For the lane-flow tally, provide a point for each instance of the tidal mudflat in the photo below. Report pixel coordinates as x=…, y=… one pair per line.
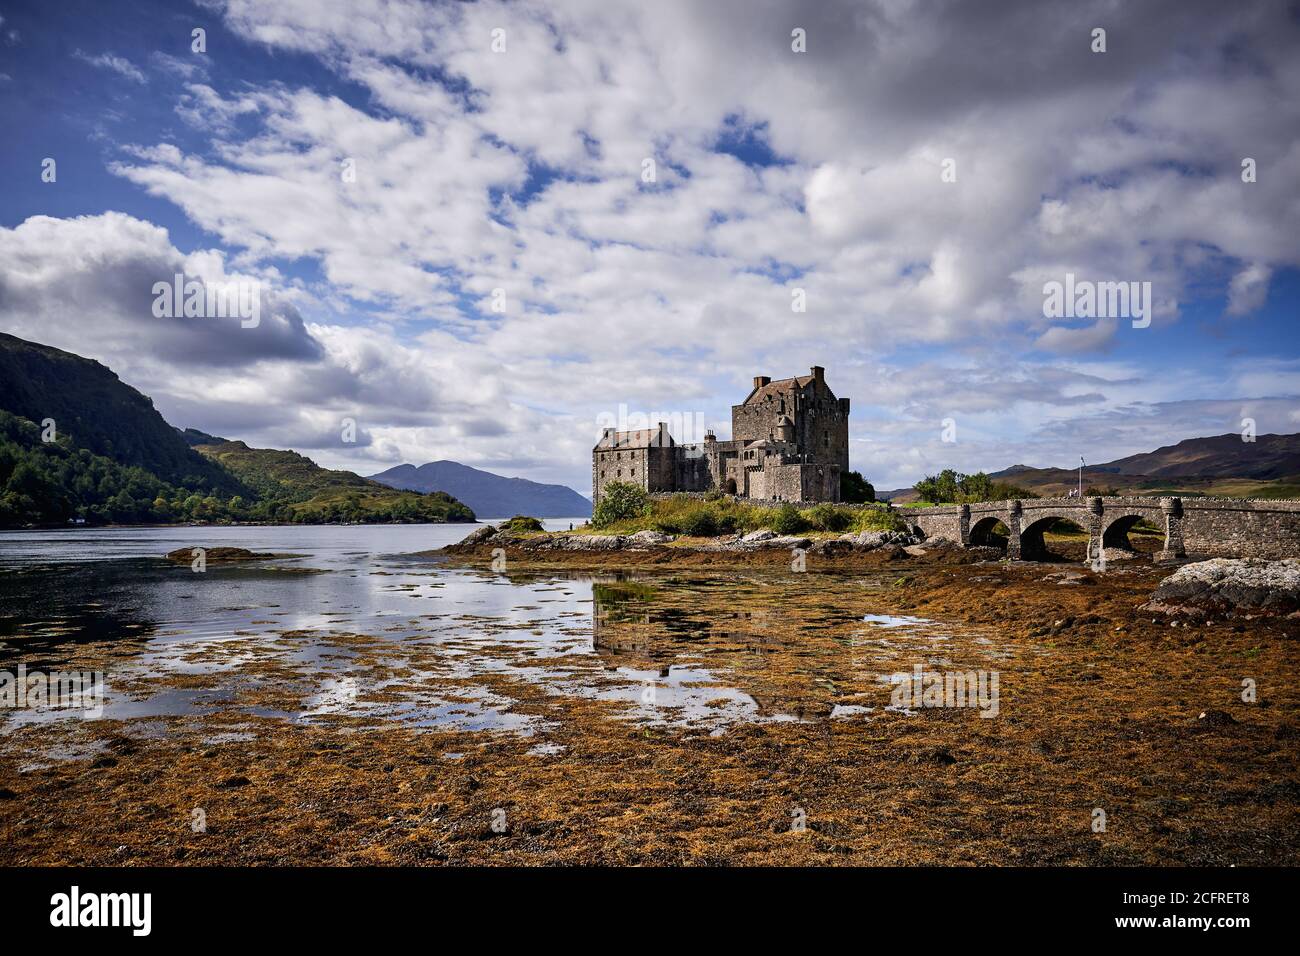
x=358, y=702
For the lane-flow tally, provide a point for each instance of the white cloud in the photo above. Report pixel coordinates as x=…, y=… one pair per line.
x=520, y=171
x=117, y=64
x=1248, y=289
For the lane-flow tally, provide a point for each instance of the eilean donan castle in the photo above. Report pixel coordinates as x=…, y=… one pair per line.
x=789, y=442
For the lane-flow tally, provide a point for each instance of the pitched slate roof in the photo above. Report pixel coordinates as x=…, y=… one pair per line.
x=638, y=438
x=775, y=388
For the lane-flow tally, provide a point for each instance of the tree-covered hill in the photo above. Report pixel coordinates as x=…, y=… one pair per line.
x=110, y=457
x=95, y=410
x=305, y=492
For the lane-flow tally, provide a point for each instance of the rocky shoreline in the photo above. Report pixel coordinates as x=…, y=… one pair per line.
x=754, y=541
x=1220, y=587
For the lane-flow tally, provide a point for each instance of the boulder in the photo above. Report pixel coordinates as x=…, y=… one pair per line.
x=590, y=542
x=1224, y=586
x=478, y=536
x=870, y=540
x=222, y=555
x=754, y=537
x=648, y=537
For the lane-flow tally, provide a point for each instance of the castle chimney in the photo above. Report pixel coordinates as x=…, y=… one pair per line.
x=760, y=381
x=819, y=374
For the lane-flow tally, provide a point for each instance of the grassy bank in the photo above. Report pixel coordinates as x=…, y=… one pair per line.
x=712, y=517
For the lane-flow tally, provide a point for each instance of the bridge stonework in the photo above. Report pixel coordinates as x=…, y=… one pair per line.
x=1193, y=527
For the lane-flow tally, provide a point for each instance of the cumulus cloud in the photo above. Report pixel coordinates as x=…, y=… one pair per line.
x=1248, y=289
x=498, y=271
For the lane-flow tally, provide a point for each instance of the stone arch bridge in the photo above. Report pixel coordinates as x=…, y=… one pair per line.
x=1200, y=527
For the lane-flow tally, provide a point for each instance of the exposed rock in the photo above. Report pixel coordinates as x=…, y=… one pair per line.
x=218, y=555
x=478, y=536
x=589, y=542
x=1215, y=718
x=1230, y=586
x=765, y=539
x=1120, y=554
x=647, y=537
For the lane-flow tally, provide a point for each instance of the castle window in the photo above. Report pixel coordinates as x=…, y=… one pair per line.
x=827, y=439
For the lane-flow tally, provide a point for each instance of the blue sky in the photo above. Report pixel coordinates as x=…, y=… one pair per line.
x=523, y=170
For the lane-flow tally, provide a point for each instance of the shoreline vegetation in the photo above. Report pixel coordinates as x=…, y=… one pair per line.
x=626, y=509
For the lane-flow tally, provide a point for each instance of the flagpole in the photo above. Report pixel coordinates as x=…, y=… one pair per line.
x=1080, y=476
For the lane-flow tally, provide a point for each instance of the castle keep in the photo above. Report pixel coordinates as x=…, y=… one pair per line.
x=789, y=442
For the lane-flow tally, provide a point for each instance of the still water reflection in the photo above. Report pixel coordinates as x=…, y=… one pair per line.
x=354, y=626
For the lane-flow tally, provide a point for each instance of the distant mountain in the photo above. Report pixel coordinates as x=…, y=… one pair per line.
x=306, y=492
x=491, y=496
x=1267, y=458
x=1225, y=465
x=108, y=456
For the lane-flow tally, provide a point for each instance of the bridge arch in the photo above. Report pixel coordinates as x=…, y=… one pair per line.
x=1118, y=523
x=1035, y=521
x=989, y=530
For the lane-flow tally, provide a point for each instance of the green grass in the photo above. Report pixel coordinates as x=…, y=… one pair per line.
x=692, y=517
x=522, y=524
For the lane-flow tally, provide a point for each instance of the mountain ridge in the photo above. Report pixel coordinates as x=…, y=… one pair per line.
x=489, y=494
x=1223, y=465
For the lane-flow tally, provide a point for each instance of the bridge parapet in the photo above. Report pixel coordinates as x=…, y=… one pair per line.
x=1222, y=527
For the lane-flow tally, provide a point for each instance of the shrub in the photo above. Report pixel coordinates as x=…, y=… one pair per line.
x=752, y=518
x=788, y=520
x=700, y=523
x=827, y=517
x=877, y=519
x=619, y=501
x=522, y=523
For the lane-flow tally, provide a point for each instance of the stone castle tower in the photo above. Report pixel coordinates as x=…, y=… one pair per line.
x=789, y=442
